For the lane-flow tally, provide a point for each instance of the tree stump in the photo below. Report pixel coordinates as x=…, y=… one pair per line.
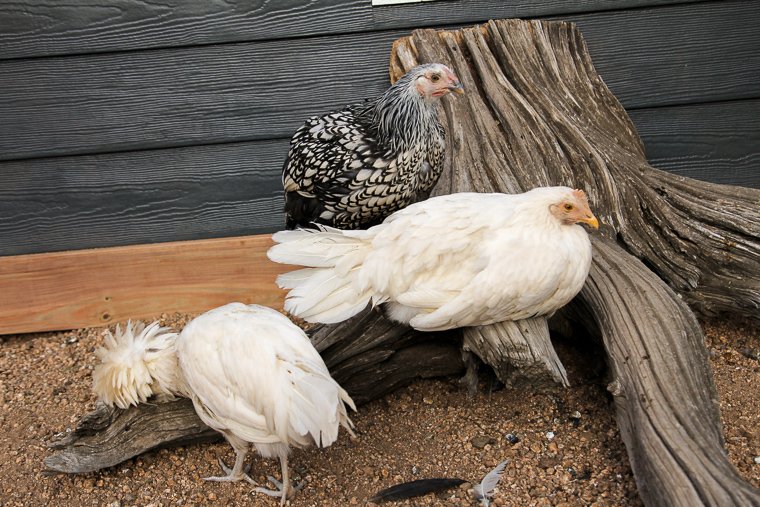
x=536, y=113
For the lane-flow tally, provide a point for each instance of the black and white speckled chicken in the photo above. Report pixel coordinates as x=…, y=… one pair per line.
x=352, y=168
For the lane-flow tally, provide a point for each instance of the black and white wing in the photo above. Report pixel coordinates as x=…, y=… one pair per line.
x=325, y=155
x=338, y=173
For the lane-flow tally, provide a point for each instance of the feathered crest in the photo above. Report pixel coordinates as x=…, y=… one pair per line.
x=136, y=363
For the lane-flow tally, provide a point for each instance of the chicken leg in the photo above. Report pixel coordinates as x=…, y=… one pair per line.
x=284, y=489
x=236, y=473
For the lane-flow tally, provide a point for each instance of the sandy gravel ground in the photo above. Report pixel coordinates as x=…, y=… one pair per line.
x=426, y=430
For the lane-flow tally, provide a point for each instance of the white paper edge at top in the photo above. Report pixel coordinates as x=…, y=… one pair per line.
x=376, y=3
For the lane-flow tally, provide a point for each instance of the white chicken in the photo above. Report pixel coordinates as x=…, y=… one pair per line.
x=457, y=260
x=251, y=373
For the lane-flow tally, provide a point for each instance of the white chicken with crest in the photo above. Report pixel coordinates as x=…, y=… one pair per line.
x=353, y=167
x=452, y=261
x=251, y=373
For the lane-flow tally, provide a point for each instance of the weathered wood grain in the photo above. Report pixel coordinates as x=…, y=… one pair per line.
x=370, y=356
x=262, y=90
x=639, y=64
x=521, y=353
x=201, y=192
x=108, y=435
x=666, y=402
x=153, y=196
x=85, y=288
x=718, y=142
x=47, y=27
x=179, y=97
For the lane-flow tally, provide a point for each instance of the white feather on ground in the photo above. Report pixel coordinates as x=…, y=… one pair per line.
x=252, y=374
x=451, y=261
x=484, y=490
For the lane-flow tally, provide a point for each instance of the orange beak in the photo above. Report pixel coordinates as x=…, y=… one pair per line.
x=591, y=221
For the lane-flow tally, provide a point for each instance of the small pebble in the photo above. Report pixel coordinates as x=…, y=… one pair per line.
x=512, y=438
x=548, y=462
x=550, y=435
x=757, y=460
x=482, y=441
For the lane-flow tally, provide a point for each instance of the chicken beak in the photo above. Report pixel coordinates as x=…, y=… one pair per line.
x=457, y=88
x=591, y=221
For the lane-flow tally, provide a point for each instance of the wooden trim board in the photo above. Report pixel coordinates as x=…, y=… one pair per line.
x=85, y=288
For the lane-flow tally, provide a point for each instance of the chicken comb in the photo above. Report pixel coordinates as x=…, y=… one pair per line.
x=580, y=194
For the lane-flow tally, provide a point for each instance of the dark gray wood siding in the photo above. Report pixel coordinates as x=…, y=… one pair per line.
x=125, y=121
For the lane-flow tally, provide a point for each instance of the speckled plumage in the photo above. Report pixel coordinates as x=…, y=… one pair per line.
x=351, y=168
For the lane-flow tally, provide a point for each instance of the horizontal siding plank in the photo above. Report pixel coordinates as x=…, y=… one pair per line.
x=34, y=28
x=178, y=97
x=711, y=142
x=141, y=197
x=678, y=55
x=234, y=189
x=86, y=288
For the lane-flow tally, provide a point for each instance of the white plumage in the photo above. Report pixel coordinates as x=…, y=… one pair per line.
x=255, y=377
x=136, y=364
x=452, y=261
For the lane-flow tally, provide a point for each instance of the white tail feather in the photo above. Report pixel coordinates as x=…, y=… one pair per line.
x=293, y=279
x=315, y=249
x=344, y=419
x=135, y=364
x=327, y=290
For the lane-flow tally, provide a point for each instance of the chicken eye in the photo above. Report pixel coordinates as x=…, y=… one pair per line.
x=568, y=206
x=435, y=78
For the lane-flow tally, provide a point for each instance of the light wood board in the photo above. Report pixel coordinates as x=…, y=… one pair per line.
x=84, y=288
